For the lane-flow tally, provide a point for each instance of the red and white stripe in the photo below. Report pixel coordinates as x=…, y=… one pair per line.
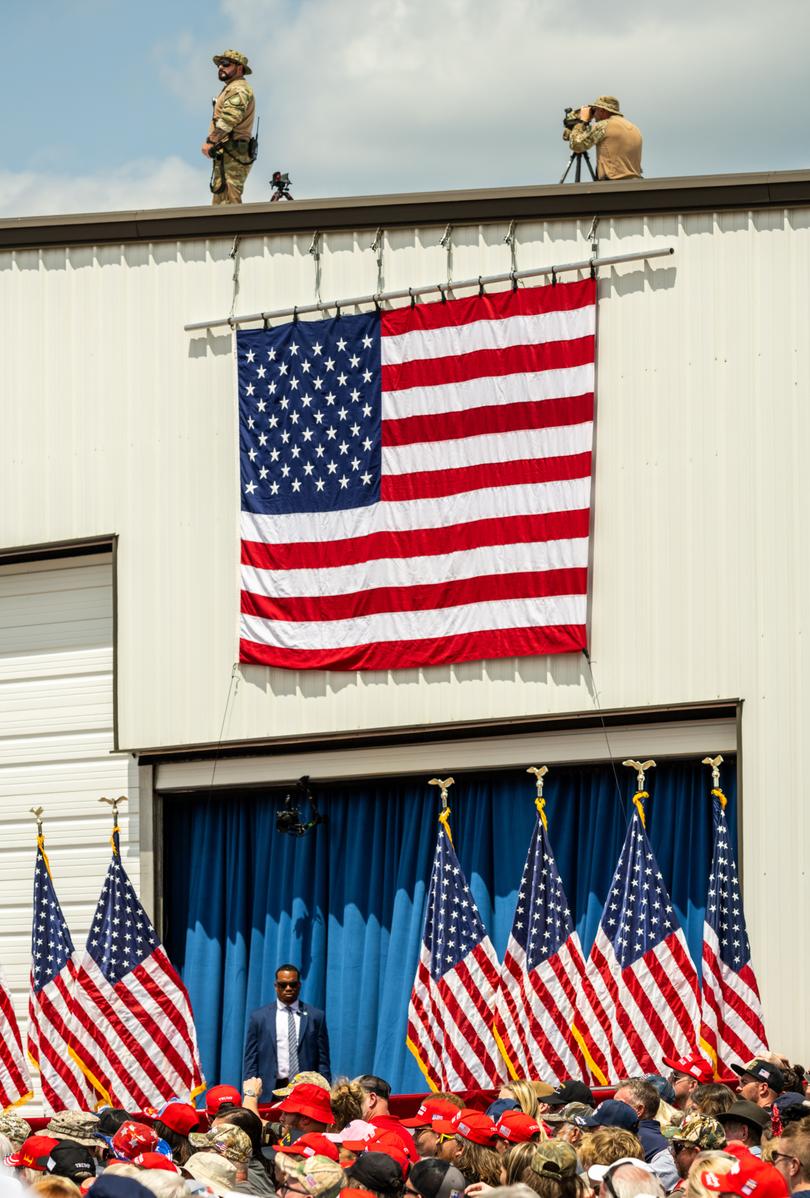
x=732, y=1025
x=478, y=546
x=15, y=1082
x=136, y=1041
x=450, y=1022
x=652, y=1005
x=64, y=1085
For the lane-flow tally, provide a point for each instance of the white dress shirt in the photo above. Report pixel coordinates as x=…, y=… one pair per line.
x=282, y=1034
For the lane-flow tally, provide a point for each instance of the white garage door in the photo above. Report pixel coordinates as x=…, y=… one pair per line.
x=56, y=734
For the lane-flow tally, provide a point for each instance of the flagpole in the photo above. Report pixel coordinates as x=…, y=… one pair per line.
x=715, y=763
x=641, y=768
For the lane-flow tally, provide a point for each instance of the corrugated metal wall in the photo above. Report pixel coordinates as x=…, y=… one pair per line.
x=56, y=716
x=115, y=420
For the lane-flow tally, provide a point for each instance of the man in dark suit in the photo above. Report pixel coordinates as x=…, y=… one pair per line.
x=286, y=1036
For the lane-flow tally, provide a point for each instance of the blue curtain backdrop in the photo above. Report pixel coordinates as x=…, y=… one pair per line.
x=346, y=901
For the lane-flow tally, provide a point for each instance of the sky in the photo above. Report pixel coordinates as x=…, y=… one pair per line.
x=107, y=103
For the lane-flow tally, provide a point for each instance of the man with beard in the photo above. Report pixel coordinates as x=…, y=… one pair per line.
x=231, y=129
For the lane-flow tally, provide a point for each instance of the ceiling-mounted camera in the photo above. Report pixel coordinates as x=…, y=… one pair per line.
x=289, y=819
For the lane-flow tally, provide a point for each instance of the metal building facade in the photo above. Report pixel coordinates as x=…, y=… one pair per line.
x=117, y=421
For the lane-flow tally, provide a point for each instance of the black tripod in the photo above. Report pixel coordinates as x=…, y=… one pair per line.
x=578, y=171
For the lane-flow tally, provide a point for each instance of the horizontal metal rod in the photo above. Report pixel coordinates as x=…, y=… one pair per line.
x=511, y=276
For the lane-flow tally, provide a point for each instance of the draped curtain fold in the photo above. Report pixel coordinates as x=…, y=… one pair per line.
x=346, y=902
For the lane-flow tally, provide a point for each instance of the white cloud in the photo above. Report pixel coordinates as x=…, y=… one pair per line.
x=147, y=184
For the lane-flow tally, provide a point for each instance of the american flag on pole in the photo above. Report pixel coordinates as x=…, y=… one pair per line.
x=53, y=976
x=548, y=1020
x=416, y=484
x=15, y=1083
x=451, y=1009
x=640, y=966
x=732, y=1027
x=132, y=1028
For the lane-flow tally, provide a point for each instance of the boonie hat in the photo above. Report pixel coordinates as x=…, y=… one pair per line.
x=702, y=1130
x=517, y=1128
x=762, y=1071
x=232, y=56
x=214, y=1170
x=434, y=1178
x=609, y=103
x=554, y=1158
x=309, y=1100
x=14, y=1128
x=694, y=1065
x=312, y=1079
x=155, y=1160
x=471, y=1125
x=33, y=1154
x=745, y=1112
x=316, y=1175
x=433, y=1109
x=78, y=1126
x=73, y=1161
x=219, y=1096
x=314, y=1143
x=228, y=1140
x=571, y=1091
x=180, y=1117
x=610, y=1113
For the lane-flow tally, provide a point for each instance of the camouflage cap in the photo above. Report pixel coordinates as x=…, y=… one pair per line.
x=609, y=103
x=567, y=1113
x=701, y=1130
x=303, y=1079
x=78, y=1126
x=227, y=1139
x=317, y=1175
x=554, y=1158
x=15, y=1128
x=232, y=56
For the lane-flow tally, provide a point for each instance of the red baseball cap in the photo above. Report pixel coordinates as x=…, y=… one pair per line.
x=695, y=1065
x=155, y=1160
x=750, y=1178
x=308, y=1100
x=516, y=1127
x=470, y=1125
x=133, y=1138
x=181, y=1117
x=219, y=1096
x=389, y=1143
x=33, y=1153
x=314, y=1143
x=431, y=1110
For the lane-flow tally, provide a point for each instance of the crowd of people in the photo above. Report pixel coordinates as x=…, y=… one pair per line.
x=682, y=1133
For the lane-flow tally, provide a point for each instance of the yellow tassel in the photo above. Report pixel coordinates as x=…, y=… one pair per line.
x=718, y=794
x=444, y=820
x=540, y=804
x=638, y=799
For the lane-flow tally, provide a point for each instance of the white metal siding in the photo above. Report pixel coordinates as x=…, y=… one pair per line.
x=56, y=707
x=114, y=420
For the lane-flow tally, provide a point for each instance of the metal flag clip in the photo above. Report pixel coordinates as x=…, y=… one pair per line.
x=480, y=287
x=539, y=802
x=413, y=297
x=295, y=314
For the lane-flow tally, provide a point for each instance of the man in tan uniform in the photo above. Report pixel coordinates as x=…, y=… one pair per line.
x=617, y=140
x=231, y=128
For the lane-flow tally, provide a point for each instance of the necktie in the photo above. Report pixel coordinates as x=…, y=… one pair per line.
x=292, y=1041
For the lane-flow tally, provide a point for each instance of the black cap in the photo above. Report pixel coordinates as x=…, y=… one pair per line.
x=763, y=1071
x=436, y=1179
x=73, y=1161
x=109, y=1121
x=376, y=1171
x=745, y=1112
x=570, y=1091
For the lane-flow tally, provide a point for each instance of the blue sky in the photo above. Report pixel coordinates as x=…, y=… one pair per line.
x=109, y=101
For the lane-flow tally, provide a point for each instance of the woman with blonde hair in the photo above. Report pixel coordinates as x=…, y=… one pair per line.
x=523, y=1093
x=707, y=1162
x=346, y=1099
x=608, y=1145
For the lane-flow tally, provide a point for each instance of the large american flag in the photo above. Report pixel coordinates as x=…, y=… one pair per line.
x=640, y=965
x=15, y=1083
x=732, y=1027
x=416, y=483
x=132, y=1028
x=450, y=1014
x=53, y=976
x=548, y=1019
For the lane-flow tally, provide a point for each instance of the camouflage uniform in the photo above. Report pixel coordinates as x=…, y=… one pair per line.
x=617, y=141
x=230, y=130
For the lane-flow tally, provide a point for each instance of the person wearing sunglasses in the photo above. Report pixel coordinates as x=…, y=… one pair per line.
x=791, y=1156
